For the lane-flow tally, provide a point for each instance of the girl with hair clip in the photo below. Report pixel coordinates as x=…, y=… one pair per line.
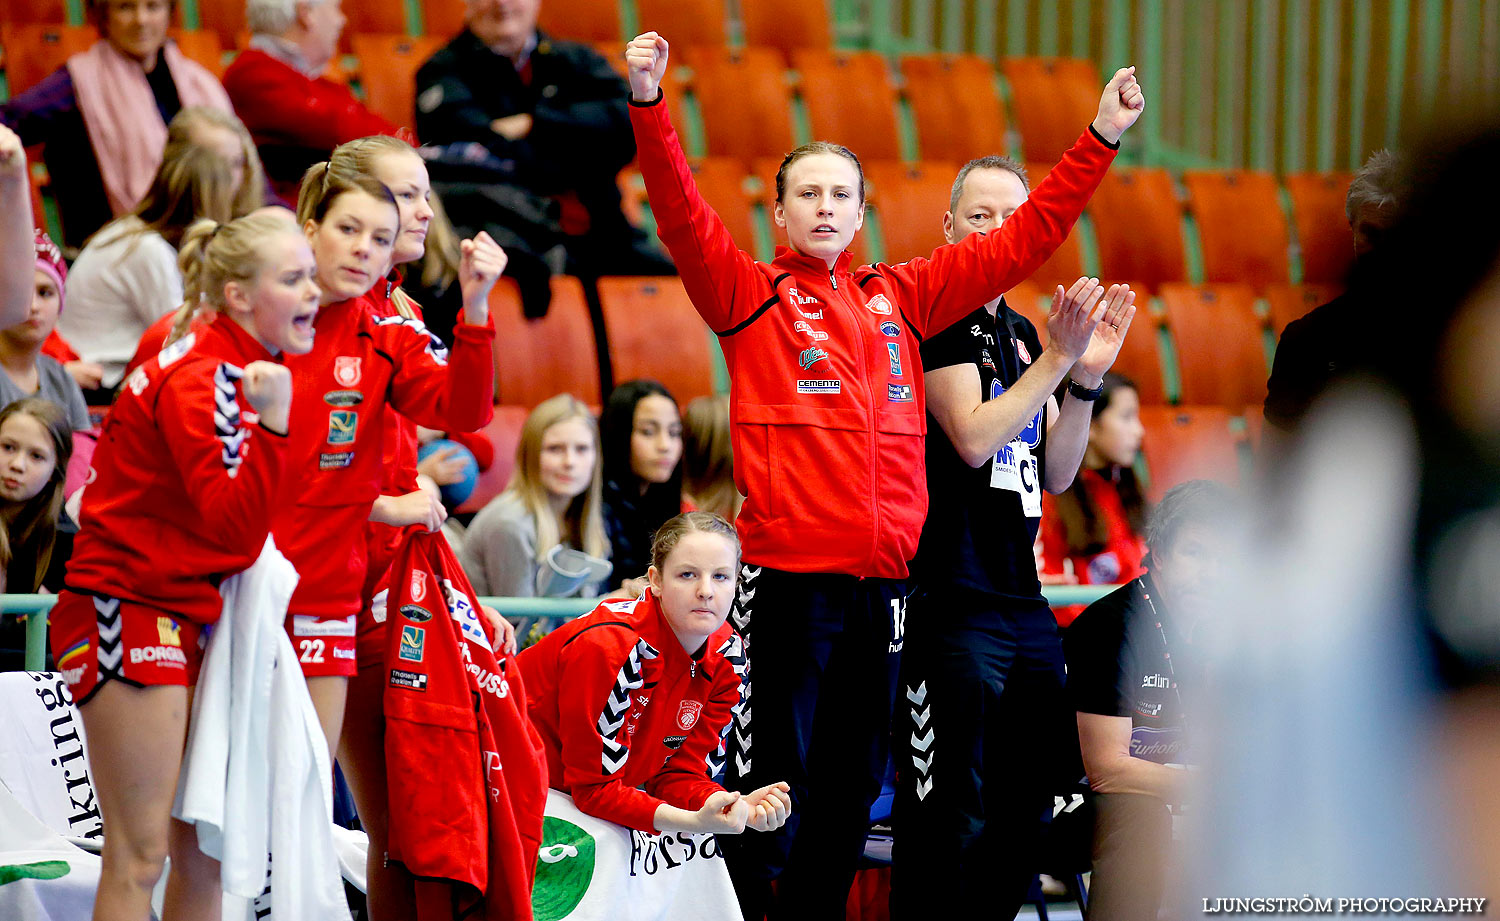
x=544, y=535
x=1092, y=533
x=127, y=272
x=363, y=364
x=829, y=417
x=647, y=761
x=187, y=475
x=36, y=442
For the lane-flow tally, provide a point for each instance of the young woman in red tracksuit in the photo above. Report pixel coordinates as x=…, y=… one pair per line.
x=361, y=752
x=186, y=483
x=634, y=701
x=361, y=364
x=828, y=416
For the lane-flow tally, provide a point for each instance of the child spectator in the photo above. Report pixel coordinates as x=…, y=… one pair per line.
x=35, y=445
x=708, y=458
x=544, y=536
x=103, y=115
x=647, y=760
x=127, y=277
x=642, y=434
x=1091, y=534
x=26, y=370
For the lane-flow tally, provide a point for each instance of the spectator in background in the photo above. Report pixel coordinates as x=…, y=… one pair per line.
x=296, y=115
x=528, y=134
x=16, y=289
x=1131, y=655
x=24, y=370
x=127, y=277
x=1091, y=533
x=708, y=458
x=1334, y=338
x=36, y=442
x=544, y=536
x=103, y=116
x=642, y=434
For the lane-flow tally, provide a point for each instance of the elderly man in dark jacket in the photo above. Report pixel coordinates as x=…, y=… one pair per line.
x=526, y=135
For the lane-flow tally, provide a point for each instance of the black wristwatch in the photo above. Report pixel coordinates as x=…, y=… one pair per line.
x=1084, y=394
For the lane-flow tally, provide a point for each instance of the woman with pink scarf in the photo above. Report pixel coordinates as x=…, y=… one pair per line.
x=115, y=98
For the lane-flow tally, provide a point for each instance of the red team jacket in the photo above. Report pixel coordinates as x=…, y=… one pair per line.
x=827, y=403
x=361, y=363
x=185, y=479
x=630, y=720
x=465, y=766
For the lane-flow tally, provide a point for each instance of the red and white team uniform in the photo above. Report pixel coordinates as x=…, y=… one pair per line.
x=184, y=490
x=629, y=720
x=399, y=471
x=361, y=363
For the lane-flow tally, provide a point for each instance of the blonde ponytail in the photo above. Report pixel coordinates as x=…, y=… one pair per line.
x=214, y=254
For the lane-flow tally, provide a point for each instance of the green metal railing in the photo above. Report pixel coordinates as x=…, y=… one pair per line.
x=36, y=607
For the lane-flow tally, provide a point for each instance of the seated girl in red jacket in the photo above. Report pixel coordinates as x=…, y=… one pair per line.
x=635, y=701
x=187, y=475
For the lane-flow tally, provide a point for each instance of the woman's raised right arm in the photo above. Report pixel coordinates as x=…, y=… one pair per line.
x=721, y=279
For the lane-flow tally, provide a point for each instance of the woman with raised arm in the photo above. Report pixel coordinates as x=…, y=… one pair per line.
x=829, y=417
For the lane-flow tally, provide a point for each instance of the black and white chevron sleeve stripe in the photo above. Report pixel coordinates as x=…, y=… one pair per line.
x=734, y=653
x=617, y=706
x=434, y=348
x=227, y=416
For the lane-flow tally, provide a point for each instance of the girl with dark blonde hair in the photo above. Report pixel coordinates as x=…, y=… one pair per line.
x=36, y=443
x=128, y=271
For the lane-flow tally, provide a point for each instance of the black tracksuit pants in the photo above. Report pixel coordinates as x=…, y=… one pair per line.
x=981, y=734
x=824, y=657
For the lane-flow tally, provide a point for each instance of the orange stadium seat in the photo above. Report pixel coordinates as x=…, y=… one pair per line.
x=542, y=358
x=201, y=45
x=673, y=92
x=745, y=101
x=374, y=18
x=955, y=106
x=787, y=24
x=1029, y=300
x=582, y=20
x=1289, y=302
x=721, y=180
x=504, y=432
x=388, y=71
x=909, y=201
x=41, y=11
x=1221, y=354
x=1188, y=443
x=685, y=23
x=1241, y=227
x=226, y=17
x=442, y=17
x=654, y=332
x=1066, y=262
x=1137, y=222
x=850, y=100
x=1140, y=355
x=33, y=51
x=1322, y=226
x=1054, y=101
x=765, y=169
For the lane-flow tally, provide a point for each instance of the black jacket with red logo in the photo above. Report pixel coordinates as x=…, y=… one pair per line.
x=629, y=720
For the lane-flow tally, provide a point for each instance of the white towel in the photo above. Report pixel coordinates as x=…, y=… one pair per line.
x=253, y=793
